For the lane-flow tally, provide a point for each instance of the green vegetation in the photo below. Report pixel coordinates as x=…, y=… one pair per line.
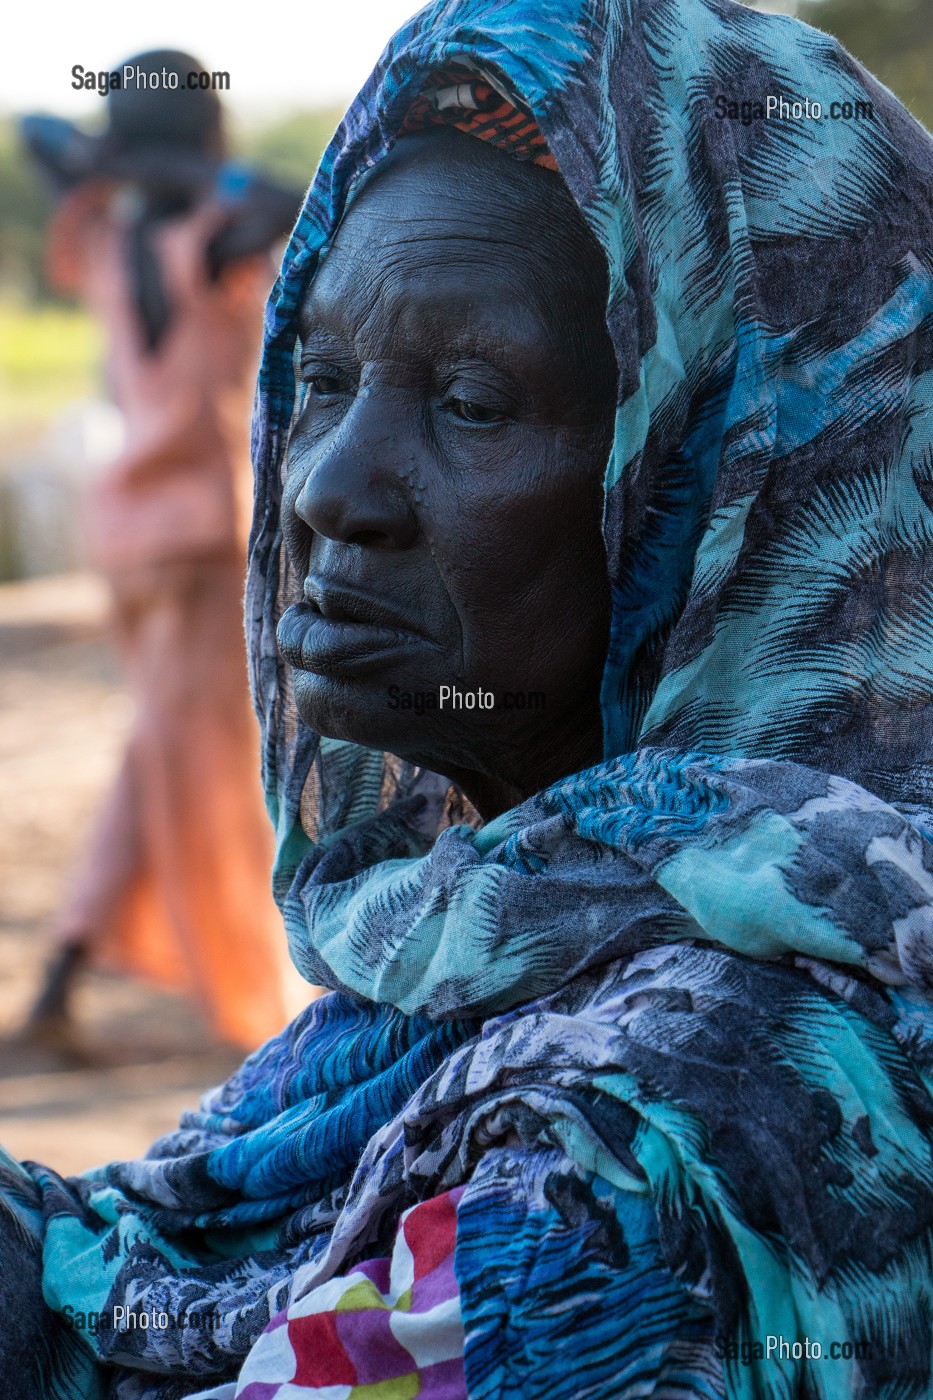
x=49, y=355
x=290, y=149
x=24, y=207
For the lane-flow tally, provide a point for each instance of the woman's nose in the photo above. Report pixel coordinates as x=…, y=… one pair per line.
x=356, y=486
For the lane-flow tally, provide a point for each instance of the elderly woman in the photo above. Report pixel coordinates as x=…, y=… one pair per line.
x=583, y=397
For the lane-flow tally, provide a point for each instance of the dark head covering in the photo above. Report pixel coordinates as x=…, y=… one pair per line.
x=153, y=134
x=769, y=496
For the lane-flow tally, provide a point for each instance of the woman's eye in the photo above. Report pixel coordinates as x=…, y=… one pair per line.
x=471, y=412
x=325, y=385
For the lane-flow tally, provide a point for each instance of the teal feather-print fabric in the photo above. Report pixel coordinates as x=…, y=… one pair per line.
x=669, y=1021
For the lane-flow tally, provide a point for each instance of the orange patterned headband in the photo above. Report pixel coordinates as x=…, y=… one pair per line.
x=457, y=96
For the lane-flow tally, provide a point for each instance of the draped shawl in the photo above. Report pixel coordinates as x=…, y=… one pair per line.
x=682, y=998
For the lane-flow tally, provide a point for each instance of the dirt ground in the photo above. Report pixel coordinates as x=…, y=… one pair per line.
x=63, y=716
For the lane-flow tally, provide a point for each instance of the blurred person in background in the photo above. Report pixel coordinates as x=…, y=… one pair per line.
x=167, y=242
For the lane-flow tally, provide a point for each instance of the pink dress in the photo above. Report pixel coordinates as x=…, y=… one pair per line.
x=176, y=881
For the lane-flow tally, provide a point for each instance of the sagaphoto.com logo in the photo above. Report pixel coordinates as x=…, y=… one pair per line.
x=450, y=698
x=780, y=107
x=133, y=75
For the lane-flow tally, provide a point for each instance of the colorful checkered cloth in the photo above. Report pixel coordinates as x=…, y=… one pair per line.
x=390, y=1329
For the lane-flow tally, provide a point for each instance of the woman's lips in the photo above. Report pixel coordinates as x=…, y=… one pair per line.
x=312, y=642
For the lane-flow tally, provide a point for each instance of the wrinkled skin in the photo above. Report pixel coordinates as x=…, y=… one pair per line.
x=444, y=478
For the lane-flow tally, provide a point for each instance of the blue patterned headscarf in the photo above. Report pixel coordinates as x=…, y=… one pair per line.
x=669, y=1020
x=769, y=496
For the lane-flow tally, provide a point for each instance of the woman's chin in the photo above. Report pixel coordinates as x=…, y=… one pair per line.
x=337, y=709
x=383, y=717
x=352, y=710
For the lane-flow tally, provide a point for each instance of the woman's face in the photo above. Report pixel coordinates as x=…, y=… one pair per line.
x=444, y=477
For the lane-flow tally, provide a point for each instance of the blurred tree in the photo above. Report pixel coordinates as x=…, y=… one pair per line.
x=24, y=207
x=291, y=148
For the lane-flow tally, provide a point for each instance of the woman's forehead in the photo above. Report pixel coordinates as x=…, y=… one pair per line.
x=429, y=295
x=444, y=222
